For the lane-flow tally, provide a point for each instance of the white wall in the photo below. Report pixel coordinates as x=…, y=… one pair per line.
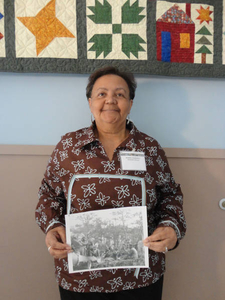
x=178, y=112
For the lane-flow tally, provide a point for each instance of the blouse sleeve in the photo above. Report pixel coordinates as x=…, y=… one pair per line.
x=169, y=208
x=51, y=207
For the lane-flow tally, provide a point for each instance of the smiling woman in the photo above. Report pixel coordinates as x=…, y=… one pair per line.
x=110, y=105
x=101, y=150
x=110, y=102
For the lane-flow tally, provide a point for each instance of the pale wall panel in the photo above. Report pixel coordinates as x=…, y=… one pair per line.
x=194, y=271
x=26, y=267
x=36, y=109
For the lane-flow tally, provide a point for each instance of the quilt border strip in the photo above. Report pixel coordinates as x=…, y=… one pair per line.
x=151, y=66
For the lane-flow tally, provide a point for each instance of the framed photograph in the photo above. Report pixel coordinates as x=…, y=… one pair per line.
x=107, y=239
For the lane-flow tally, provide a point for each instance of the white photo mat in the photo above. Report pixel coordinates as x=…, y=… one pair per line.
x=107, y=239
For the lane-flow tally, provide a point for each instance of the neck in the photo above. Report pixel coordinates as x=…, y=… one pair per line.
x=112, y=133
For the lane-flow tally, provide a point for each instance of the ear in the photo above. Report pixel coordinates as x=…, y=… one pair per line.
x=131, y=104
x=89, y=102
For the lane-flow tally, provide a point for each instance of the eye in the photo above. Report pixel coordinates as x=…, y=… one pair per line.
x=120, y=95
x=101, y=94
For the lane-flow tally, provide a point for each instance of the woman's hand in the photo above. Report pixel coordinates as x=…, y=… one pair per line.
x=56, y=242
x=162, y=239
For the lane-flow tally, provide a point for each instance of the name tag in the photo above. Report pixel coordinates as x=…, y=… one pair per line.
x=132, y=161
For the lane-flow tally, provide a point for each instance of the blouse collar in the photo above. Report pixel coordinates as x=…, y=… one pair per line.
x=87, y=136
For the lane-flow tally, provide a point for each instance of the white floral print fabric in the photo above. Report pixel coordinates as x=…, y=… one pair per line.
x=81, y=152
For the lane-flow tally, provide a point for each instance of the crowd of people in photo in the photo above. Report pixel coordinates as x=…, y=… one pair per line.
x=105, y=247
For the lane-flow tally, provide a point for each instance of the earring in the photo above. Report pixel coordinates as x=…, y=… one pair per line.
x=128, y=119
x=92, y=119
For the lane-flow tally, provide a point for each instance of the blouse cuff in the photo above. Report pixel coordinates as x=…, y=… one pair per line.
x=170, y=223
x=53, y=225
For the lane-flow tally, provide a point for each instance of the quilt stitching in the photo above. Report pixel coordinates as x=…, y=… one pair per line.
x=116, y=29
x=185, y=32
x=46, y=29
x=2, y=30
x=223, y=30
x=168, y=38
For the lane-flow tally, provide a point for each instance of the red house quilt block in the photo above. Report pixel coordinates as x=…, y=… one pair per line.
x=184, y=32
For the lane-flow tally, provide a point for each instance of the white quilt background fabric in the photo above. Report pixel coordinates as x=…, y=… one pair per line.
x=2, y=29
x=60, y=47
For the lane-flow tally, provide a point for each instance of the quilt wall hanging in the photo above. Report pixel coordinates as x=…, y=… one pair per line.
x=175, y=38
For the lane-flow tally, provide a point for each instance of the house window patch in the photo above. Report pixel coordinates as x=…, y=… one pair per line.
x=185, y=40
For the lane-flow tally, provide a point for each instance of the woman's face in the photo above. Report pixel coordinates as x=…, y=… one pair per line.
x=110, y=101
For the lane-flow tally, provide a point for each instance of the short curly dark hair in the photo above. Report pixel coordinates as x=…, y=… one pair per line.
x=128, y=77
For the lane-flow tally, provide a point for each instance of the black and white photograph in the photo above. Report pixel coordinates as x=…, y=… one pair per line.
x=109, y=238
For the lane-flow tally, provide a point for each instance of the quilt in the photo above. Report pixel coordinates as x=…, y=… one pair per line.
x=168, y=38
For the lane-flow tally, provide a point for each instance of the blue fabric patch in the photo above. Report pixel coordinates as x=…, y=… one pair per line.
x=1, y=16
x=166, y=46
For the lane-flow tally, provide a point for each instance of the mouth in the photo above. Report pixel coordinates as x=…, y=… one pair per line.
x=111, y=110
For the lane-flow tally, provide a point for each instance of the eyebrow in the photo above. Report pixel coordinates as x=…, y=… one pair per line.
x=119, y=88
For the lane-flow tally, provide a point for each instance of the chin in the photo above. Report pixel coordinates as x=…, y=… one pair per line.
x=111, y=121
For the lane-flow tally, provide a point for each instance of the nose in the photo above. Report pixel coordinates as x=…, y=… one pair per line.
x=111, y=99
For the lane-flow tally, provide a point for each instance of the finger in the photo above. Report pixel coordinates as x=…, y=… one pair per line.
x=155, y=237
x=62, y=234
x=148, y=243
x=56, y=242
x=162, y=233
x=158, y=246
x=59, y=253
x=59, y=246
x=56, y=239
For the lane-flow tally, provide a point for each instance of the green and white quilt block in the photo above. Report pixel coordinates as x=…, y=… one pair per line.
x=116, y=29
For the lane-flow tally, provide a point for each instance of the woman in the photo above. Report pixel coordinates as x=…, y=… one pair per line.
x=96, y=150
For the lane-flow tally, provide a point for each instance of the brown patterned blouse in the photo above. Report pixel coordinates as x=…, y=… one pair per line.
x=80, y=152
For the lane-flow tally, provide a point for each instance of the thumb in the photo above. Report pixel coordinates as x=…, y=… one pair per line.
x=62, y=233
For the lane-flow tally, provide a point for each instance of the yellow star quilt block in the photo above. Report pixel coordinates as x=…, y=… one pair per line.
x=46, y=28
